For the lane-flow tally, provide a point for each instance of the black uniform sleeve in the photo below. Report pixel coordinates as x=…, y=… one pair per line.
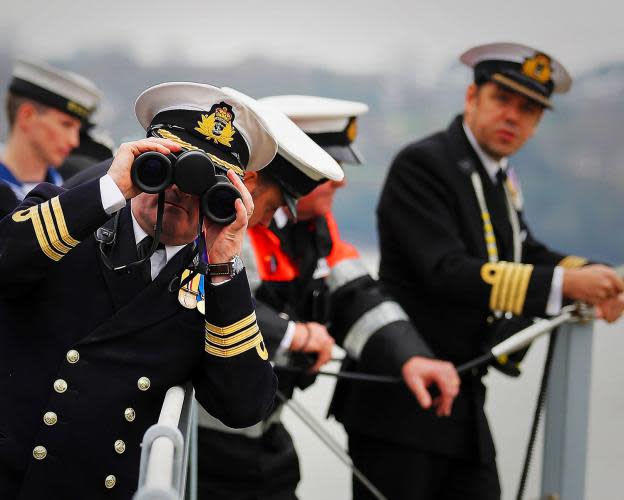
x=273, y=325
x=235, y=383
x=368, y=324
x=418, y=223
x=8, y=200
x=45, y=227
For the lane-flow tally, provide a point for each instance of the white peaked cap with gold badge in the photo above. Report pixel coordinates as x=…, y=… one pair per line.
x=201, y=116
x=331, y=123
x=520, y=68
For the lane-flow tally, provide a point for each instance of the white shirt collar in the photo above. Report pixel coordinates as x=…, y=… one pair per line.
x=139, y=234
x=280, y=218
x=490, y=164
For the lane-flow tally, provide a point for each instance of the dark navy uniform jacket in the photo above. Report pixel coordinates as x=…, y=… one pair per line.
x=87, y=354
x=432, y=253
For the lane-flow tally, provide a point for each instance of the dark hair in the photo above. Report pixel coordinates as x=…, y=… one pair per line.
x=12, y=104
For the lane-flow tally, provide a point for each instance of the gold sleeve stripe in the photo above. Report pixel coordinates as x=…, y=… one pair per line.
x=51, y=230
x=228, y=353
x=234, y=339
x=32, y=214
x=60, y=221
x=572, y=261
x=523, y=286
x=225, y=330
x=510, y=283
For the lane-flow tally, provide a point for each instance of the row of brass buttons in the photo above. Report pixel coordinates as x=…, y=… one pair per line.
x=50, y=418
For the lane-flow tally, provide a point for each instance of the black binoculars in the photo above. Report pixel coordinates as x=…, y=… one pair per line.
x=194, y=173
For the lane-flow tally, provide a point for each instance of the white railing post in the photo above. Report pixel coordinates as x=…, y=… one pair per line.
x=164, y=453
x=567, y=414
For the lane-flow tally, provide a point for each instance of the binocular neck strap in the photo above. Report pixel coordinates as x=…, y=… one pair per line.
x=157, y=232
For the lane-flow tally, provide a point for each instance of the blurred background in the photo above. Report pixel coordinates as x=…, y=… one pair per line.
x=399, y=57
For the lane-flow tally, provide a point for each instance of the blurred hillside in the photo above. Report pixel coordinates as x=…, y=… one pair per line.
x=571, y=171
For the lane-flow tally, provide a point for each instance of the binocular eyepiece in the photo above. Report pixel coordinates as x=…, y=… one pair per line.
x=194, y=173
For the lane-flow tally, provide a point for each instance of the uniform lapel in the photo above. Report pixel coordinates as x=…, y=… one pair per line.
x=123, y=286
x=467, y=160
x=144, y=305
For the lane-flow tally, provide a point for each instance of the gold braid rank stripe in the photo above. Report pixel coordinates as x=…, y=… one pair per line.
x=166, y=134
x=572, y=262
x=234, y=339
x=60, y=221
x=226, y=330
x=256, y=342
x=53, y=244
x=51, y=230
x=32, y=214
x=510, y=282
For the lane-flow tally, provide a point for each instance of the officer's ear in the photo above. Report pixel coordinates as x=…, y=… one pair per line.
x=251, y=180
x=25, y=115
x=470, y=98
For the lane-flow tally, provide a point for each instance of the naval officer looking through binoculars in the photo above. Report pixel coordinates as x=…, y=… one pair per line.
x=106, y=342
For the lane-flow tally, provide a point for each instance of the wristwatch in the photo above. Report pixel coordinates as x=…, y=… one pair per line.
x=230, y=268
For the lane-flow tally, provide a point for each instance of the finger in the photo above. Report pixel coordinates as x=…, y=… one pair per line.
x=166, y=143
x=323, y=357
x=417, y=386
x=241, y=216
x=242, y=189
x=445, y=405
x=616, y=282
x=163, y=146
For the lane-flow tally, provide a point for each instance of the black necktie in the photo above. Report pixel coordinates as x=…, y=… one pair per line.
x=143, y=248
x=501, y=175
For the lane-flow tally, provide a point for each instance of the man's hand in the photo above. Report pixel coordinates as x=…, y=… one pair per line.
x=419, y=372
x=127, y=152
x=224, y=242
x=610, y=310
x=313, y=338
x=591, y=284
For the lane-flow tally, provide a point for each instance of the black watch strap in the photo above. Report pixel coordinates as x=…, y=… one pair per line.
x=230, y=268
x=222, y=269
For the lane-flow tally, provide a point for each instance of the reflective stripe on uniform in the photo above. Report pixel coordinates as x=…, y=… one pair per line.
x=363, y=329
x=207, y=421
x=345, y=272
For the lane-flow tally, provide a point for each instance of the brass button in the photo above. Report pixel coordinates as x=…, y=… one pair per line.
x=50, y=418
x=40, y=452
x=73, y=356
x=120, y=446
x=490, y=319
x=60, y=385
x=144, y=383
x=129, y=414
x=110, y=481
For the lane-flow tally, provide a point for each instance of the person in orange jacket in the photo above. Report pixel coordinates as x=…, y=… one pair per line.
x=308, y=278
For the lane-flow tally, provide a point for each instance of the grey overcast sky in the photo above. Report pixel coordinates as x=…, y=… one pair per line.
x=418, y=37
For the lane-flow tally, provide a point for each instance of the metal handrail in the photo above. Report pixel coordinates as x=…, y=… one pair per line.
x=164, y=453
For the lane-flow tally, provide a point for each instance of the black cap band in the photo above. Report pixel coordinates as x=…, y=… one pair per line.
x=29, y=90
x=484, y=71
x=290, y=179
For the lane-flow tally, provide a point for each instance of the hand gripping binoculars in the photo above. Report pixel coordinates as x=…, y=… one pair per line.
x=194, y=173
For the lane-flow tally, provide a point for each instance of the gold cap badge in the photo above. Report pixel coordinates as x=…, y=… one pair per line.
x=538, y=68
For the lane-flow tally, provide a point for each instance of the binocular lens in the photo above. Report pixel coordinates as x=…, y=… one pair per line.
x=218, y=203
x=152, y=172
